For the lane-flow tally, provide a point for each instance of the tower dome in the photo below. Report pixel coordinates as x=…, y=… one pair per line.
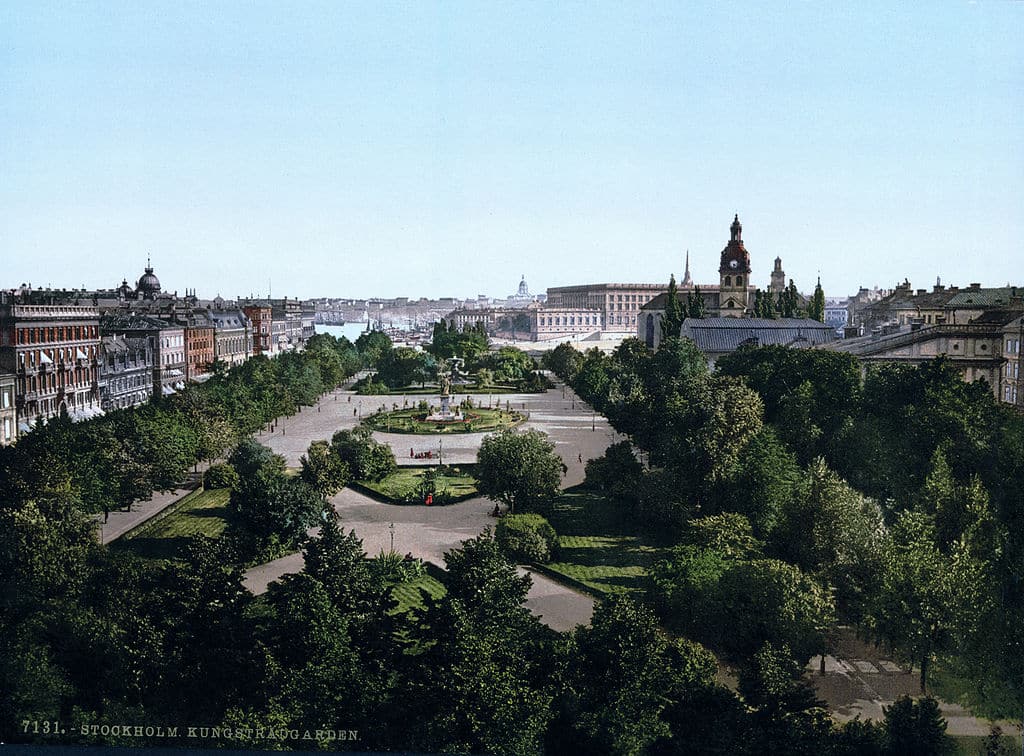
x=149, y=285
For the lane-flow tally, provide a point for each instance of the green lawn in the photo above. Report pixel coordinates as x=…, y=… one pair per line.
x=406, y=480
x=597, y=546
x=435, y=390
x=408, y=594
x=412, y=420
x=198, y=513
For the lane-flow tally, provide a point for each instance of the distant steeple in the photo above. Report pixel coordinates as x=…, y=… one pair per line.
x=687, y=281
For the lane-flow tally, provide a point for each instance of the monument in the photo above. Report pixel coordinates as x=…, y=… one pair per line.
x=445, y=376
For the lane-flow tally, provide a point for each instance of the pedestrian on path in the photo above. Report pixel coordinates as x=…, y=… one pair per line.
x=581, y=458
x=106, y=514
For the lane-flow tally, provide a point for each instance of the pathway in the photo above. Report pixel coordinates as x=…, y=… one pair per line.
x=428, y=532
x=119, y=521
x=861, y=681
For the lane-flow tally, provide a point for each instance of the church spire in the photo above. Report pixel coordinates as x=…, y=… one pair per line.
x=687, y=281
x=736, y=228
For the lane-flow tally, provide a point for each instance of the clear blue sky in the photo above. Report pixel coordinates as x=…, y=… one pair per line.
x=446, y=148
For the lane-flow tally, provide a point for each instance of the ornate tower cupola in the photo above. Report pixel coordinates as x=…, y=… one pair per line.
x=734, y=274
x=778, y=281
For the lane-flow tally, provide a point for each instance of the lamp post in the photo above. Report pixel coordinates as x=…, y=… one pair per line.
x=391, y=527
x=440, y=452
x=593, y=421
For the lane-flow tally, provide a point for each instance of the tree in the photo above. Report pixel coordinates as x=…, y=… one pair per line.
x=816, y=310
x=916, y=728
x=766, y=600
x=788, y=716
x=618, y=472
x=403, y=366
x=911, y=609
x=675, y=314
x=366, y=458
x=830, y=529
x=695, y=304
x=564, y=361
x=789, y=301
x=622, y=674
x=373, y=345
x=518, y=469
x=762, y=482
x=323, y=469
x=479, y=684
x=527, y=538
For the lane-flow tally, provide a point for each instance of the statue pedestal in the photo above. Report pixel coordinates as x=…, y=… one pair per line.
x=445, y=415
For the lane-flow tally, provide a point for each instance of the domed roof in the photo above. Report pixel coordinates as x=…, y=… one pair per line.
x=149, y=284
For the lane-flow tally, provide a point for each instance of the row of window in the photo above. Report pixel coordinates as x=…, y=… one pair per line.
x=1011, y=369
x=59, y=356
x=1012, y=346
x=553, y=320
x=45, y=335
x=128, y=382
x=79, y=376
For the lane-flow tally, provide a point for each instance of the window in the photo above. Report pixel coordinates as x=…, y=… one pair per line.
x=728, y=280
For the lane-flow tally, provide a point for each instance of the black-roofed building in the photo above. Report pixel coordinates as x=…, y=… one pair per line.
x=126, y=372
x=716, y=337
x=167, y=341
x=232, y=335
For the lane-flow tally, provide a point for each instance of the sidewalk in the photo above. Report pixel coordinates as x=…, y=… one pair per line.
x=120, y=522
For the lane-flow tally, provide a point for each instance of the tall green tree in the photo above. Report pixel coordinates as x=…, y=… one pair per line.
x=521, y=470
x=324, y=470
x=672, y=319
x=695, y=304
x=912, y=610
x=816, y=309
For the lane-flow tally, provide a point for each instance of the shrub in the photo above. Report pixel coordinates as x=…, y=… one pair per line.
x=617, y=473
x=390, y=567
x=527, y=538
x=221, y=475
x=369, y=387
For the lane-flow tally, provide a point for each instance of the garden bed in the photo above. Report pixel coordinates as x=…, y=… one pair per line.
x=414, y=420
x=403, y=485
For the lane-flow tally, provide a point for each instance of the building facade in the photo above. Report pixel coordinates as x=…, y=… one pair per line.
x=167, y=341
x=260, y=317
x=8, y=409
x=53, y=351
x=232, y=337
x=1012, y=380
x=617, y=304
x=199, y=347
x=126, y=372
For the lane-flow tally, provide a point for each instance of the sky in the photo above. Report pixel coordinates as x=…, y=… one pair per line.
x=446, y=149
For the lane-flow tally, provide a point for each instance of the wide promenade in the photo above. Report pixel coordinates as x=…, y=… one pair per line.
x=428, y=532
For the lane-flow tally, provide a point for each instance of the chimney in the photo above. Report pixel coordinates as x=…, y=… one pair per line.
x=922, y=292
x=975, y=285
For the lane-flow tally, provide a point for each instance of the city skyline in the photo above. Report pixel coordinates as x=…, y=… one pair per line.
x=448, y=149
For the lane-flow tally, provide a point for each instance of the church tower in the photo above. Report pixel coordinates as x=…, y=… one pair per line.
x=687, y=281
x=778, y=284
x=734, y=275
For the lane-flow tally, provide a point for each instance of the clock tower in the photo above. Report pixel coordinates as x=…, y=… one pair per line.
x=734, y=275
